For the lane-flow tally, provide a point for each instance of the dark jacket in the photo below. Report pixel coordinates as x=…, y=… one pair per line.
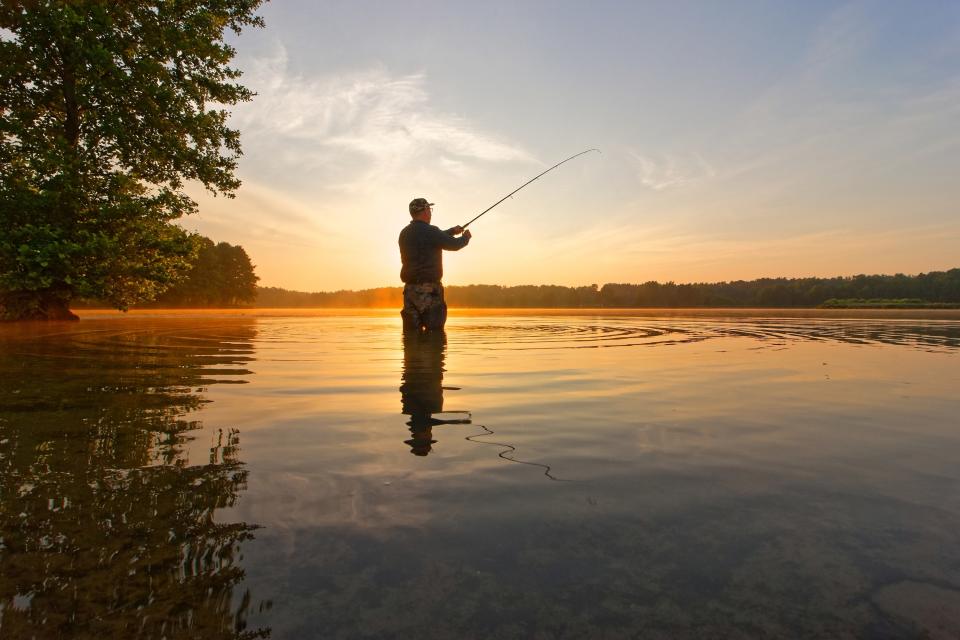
x=421, y=249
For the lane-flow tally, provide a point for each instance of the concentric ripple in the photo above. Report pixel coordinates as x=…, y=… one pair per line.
x=591, y=333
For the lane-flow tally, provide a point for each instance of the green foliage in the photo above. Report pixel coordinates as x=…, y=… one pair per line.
x=106, y=110
x=221, y=276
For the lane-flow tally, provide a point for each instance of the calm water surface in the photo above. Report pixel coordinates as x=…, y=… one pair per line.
x=534, y=476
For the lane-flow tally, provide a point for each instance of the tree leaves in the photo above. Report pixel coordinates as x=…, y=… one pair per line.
x=106, y=111
x=221, y=276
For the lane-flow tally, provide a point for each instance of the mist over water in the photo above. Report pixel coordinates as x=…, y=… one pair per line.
x=520, y=476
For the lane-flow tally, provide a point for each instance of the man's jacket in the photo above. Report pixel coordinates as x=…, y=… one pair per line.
x=421, y=251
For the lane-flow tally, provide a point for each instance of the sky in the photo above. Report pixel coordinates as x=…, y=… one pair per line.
x=739, y=140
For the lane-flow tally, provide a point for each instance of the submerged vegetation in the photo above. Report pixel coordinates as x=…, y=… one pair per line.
x=934, y=289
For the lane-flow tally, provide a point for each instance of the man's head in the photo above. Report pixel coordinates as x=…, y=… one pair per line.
x=420, y=209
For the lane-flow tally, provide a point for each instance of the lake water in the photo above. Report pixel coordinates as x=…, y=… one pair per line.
x=536, y=475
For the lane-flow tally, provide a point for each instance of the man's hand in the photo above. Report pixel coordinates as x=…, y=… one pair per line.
x=466, y=234
x=457, y=230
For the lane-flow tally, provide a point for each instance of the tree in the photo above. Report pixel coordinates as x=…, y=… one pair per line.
x=106, y=110
x=241, y=281
x=222, y=275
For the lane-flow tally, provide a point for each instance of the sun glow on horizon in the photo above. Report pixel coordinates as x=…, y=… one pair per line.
x=802, y=142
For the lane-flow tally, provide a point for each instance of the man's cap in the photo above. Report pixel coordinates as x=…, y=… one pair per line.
x=419, y=204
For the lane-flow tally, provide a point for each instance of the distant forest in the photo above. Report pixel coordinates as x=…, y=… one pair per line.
x=937, y=288
x=222, y=276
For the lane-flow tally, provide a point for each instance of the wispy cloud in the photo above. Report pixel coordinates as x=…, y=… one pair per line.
x=668, y=251
x=842, y=37
x=362, y=125
x=670, y=171
x=824, y=126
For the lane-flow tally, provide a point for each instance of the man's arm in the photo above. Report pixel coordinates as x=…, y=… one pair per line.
x=445, y=239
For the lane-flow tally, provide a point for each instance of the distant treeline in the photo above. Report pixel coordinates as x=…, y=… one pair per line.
x=887, y=303
x=934, y=289
x=222, y=276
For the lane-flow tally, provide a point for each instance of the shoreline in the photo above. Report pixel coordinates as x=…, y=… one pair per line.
x=731, y=312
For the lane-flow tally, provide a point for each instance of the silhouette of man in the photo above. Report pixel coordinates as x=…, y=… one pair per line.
x=421, y=252
x=421, y=388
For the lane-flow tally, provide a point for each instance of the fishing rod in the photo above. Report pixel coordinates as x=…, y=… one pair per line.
x=526, y=183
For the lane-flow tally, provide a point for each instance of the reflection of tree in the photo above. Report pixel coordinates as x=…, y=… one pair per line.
x=421, y=387
x=96, y=542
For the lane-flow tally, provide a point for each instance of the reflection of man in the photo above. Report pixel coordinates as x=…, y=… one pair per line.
x=421, y=387
x=421, y=252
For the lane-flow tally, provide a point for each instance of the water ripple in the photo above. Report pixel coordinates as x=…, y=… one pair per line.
x=646, y=332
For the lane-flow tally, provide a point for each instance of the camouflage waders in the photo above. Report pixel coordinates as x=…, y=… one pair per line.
x=423, y=307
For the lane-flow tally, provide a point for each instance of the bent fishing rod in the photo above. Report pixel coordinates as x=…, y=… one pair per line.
x=525, y=184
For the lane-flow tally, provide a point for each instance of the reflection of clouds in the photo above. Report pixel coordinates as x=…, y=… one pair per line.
x=372, y=499
x=700, y=459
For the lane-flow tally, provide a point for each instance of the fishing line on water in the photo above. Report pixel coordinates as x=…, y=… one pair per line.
x=508, y=448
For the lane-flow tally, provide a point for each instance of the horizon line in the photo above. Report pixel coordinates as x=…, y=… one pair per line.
x=593, y=284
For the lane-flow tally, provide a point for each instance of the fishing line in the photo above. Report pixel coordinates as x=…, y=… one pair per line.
x=464, y=226
x=508, y=448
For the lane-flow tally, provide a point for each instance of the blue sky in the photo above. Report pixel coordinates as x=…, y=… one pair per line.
x=739, y=140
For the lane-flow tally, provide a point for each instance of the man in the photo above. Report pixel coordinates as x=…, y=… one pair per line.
x=421, y=252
